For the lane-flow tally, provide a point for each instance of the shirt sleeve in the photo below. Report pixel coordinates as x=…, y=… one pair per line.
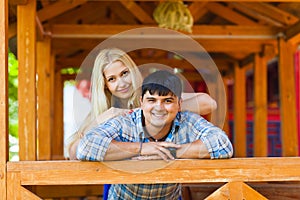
x=216, y=140
x=94, y=144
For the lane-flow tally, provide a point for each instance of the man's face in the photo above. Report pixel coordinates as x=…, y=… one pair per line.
x=160, y=111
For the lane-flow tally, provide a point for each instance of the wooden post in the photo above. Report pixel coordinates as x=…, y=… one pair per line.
x=260, y=107
x=226, y=123
x=289, y=133
x=240, y=148
x=3, y=95
x=27, y=82
x=44, y=98
x=58, y=134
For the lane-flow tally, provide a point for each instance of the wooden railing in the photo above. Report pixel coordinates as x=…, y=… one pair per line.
x=25, y=176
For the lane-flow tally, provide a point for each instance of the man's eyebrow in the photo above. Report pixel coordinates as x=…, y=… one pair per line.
x=171, y=97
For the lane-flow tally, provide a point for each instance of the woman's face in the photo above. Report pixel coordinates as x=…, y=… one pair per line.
x=118, y=80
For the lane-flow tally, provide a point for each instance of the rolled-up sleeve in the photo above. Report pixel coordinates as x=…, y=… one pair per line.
x=218, y=145
x=216, y=140
x=94, y=144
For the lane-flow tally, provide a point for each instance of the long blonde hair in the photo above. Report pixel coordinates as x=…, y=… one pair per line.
x=101, y=96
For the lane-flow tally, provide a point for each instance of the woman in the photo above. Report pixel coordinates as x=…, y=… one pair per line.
x=115, y=86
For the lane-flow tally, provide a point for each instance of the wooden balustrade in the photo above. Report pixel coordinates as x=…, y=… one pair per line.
x=234, y=173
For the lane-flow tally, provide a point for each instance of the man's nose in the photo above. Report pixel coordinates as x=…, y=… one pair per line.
x=159, y=105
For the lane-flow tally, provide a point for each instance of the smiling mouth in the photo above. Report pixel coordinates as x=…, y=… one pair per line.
x=159, y=115
x=124, y=90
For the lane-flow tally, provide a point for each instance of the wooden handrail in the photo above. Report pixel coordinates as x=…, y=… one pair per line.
x=181, y=171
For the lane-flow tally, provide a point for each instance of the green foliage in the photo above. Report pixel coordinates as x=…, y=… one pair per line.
x=13, y=104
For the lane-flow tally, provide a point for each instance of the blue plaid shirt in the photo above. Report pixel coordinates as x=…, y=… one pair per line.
x=187, y=127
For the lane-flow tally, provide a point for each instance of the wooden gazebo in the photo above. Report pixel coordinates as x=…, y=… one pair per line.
x=239, y=36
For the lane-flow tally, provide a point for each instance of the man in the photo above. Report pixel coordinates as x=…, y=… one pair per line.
x=158, y=130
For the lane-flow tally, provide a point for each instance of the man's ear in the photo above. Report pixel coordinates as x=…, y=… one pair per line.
x=180, y=103
x=141, y=100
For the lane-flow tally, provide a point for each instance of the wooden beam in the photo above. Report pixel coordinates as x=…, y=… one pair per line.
x=27, y=82
x=289, y=131
x=18, y=2
x=229, y=14
x=57, y=8
x=3, y=96
x=198, y=10
x=199, y=31
x=272, y=12
x=156, y=171
x=240, y=139
x=45, y=72
x=262, y=19
x=12, y=30
x=260, y=131
x=235, y=190
x=293, y=33
x=138, y=12
x=57, y=145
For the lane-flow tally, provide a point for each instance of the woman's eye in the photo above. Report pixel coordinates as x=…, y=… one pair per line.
x=110, y=79
x=125, y=73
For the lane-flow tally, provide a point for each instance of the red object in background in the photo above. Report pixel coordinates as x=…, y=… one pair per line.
x=83, y=86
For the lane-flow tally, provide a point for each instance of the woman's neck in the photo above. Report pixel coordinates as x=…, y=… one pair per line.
x=119, y=103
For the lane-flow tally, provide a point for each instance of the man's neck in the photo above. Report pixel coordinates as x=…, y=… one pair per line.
x=157, y=133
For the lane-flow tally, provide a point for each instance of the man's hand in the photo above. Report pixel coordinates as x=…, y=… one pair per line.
x=157, y=150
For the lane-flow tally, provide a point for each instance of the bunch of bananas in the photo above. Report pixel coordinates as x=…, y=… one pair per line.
x=174, y=15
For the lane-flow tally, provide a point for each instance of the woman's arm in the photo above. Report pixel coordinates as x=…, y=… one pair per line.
x=200, y=103
x=89, y=124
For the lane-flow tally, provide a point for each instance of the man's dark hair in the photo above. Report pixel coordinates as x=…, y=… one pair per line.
x=163, y=82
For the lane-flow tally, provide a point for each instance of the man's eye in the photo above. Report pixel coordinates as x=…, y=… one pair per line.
x=169, y=101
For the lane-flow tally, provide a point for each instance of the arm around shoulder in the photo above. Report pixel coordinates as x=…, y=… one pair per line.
x=200, y=103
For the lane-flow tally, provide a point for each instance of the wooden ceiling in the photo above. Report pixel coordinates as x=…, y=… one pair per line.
x=229, y=30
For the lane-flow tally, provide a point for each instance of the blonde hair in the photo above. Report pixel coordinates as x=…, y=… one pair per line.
x=100, y=95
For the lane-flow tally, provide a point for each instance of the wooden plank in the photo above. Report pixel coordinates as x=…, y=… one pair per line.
x=14, y=185
x=272, y=12
x=27, y=83
x=229, y=14
x=239, y=111
x=262, y=19
x=26, y=194
x=226, y=127
x=271, y=190
x=3, y=96
x=293, y=33
x=56, y=191
x=138, y=12
x=260, y=131
x=158, y=171
x=235, y=191
x=44, y=99
x=289, y=132
x=57, y=145
x=57, y=8
x=199, y=31
x=198, y=10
